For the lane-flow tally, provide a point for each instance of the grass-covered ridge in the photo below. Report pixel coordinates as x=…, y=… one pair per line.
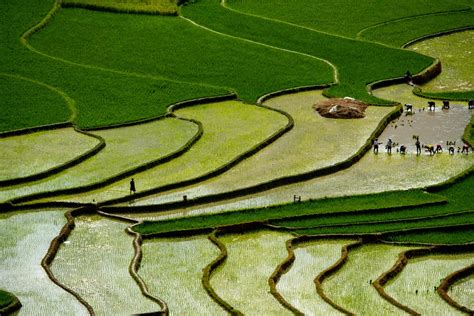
x=318, y=207
x=344, y=215
x=165, y=7
x=358, y=63
x=222, y=61
x=321, y=16
x=6, y=299
x=101, y=97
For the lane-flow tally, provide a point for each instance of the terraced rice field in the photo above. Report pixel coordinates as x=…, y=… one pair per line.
x=25, y=239
x=94, y=263
x=243, y=279
x=105, y=68
x=457, y=68
x=24, y=155
x=230, y=129
x=314, y=143
x=172, y=270
x=126, y=148
x=351, y=286
x=424, y=275
x=462, y=292
x=297, y=285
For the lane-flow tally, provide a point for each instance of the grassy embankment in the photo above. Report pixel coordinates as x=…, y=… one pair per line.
x=415, y=285
x=164, y=7
x=322, y=15
x=358, y=62
x=101, y=97
x=6, y=299
x=327, y=216
x=230, y=129
x=247, y=68
x=25, y=155
x=127, y=148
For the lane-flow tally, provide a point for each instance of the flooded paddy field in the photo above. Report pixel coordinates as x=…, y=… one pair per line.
x=297, y=285
x=416, y=285
x=126, y=148
x=94, y=262
x=351, y=286
x=25, y=238
x=172, y=269
x=463, y=292
x=243, y=279
x=230, y=129
x=29, y=154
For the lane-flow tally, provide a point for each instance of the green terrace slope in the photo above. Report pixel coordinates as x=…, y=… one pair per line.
x=176, y=49
x=355, y=206
x=358, y=62
x=337, y=16
x=165, y=7
x=374, y=213
x=101, y=97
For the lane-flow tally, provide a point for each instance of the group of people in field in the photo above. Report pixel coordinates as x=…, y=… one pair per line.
x=430, y=149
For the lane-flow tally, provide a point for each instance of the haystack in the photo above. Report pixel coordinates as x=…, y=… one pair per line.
x=346, y=108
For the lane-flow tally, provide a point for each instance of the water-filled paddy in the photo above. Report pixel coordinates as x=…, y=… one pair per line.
x=297, y=285
x=25, y=155
x=424, y=275
x=351, y=286
x=456, y=55
x=314, y=142
x=94, y=262
x=463, y=292
x=172, y=270
x=126, y=148
x=25, y=239
x=243, y=280
x=230, y=129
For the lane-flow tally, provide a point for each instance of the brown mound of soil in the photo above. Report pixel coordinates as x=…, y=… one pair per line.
x=341, y=108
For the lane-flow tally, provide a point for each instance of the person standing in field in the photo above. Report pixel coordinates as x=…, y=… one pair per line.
x=389, y=146
x=132, y=187
x=418, y=146
x=376, y=146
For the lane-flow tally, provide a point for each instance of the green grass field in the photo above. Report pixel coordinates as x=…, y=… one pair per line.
x=101, y=64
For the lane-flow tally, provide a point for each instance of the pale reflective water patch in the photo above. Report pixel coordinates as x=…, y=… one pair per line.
x=351, y=286
x=172, y=269
x=25, y=239
x=95, y=264
x=416, y=285
x=457, y=59
x=463, y=292
x=297, y=286
x=243, y=280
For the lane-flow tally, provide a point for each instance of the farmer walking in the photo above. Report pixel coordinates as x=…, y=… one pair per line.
x=132, y=187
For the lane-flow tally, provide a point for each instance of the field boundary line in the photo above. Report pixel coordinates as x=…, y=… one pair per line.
x=217, y=171
x=54, y=248
x=71, y=104
x=281, y=269
x=448, y=281
x=135, y=266
x=13, y=307
x=211, y=268
x=403, y=259
x=266, y=185
x=24, y=40
x=412, y=17
x=335, y=74
x=375, y=223
x=333, y=270
x=61, y=167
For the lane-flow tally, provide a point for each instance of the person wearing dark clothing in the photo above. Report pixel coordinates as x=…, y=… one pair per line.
x=418, y=146
x=376, y=146
x=465, y=149
x=133, y=190
x=389, y=146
